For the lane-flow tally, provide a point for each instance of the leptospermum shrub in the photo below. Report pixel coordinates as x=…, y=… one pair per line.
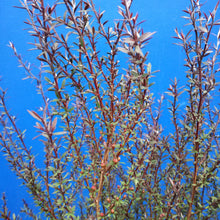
x=106, y=153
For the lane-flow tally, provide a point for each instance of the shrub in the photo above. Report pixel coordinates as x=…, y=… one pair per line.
x=106, y=152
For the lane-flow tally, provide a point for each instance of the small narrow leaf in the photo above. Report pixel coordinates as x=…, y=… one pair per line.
x=149, y=68
x=54, y=124
x=146, y=36
x=203, y=29
x=60, y=133
x=123, y=50
x=35, y=115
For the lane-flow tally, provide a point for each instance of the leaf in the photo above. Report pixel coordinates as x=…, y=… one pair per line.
x=101, y=14
x=178, y=35
x=149, y=68
x=218, y=35
x=203, y=29
x=52, y=26
x=54, y=124
x=35, y=115
x=48, y=80
x=14, y=216
x=146, y=36
x=129, y=40
x=123, y=50
x=60, y=133
x=38, y=125
x=120, y=11
x=81, y=41
x=128, y=3
x=136, y=181
x=139, y=51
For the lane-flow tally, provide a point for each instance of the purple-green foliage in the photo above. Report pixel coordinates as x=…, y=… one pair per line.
x=106, y=152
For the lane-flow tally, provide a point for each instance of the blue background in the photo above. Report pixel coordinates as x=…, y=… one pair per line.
x=162, y=16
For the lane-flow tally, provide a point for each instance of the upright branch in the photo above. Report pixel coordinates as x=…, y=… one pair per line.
x=201, y=60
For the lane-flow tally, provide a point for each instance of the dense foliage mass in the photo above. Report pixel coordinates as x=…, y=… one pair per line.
x=106, y=154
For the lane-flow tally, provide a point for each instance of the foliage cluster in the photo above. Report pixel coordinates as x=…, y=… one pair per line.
x=106, y=153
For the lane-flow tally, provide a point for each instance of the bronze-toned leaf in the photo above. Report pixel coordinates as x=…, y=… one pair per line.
x=54, y=124
x=146, y=36
x=35, y=115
